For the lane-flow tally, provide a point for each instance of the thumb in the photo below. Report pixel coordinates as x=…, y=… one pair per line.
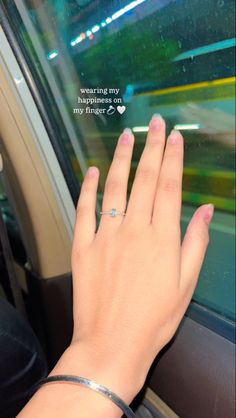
x=194, y=246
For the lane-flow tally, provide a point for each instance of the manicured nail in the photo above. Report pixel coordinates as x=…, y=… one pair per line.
x=156, y=121
x=174, y=136
x=126, y=135
x=92, y=171
x=209, y=210
x=127, y=131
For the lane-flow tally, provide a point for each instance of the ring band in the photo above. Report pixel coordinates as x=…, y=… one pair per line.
x=113, y=213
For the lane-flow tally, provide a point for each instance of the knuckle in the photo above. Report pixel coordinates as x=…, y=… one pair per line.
x=169, y=235
x=169, y=185
x=132, y=230
x=81, y=211
x=113, y=187
x=152, y=143
x=205, y=238
x=120, y=157
x=199, y=234
x=146, y=174
x=202, y=236
x=87, y=187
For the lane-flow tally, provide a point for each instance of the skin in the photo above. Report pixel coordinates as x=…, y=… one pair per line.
x=132, y=278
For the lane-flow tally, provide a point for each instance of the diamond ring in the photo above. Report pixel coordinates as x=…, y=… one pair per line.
x=113, y=213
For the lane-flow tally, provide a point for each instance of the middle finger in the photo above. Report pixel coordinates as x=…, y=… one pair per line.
x=115, y=193
x=143, y=192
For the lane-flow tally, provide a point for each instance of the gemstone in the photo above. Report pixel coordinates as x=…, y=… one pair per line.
x=113, y=213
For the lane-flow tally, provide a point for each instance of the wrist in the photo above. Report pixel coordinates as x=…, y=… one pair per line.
x=104, y=367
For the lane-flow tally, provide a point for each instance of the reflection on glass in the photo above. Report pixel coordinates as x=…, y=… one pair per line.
x=111, y=65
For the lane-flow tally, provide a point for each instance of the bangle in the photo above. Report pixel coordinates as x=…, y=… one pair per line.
x=94, y=386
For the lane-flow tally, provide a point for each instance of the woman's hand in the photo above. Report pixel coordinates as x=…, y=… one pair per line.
x=132, y=279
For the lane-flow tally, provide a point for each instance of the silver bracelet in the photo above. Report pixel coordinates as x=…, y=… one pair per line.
x=94, y=386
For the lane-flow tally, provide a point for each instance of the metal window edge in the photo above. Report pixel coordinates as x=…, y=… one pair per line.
x=38, y=130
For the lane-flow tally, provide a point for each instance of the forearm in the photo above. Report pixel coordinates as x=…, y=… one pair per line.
x=60, y=400
x=65, y=399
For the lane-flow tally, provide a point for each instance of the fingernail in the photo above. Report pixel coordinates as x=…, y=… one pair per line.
x=174, y=136
x=127, y=131
x=126, y=135
x=92, y=171
x=156, y=121
x=209, y=210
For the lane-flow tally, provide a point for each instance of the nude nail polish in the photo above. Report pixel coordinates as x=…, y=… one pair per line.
x=156, y=121
x=125, y=137
x=209, y=210
x=174, y=136
x=127, y=131
x=92, y=171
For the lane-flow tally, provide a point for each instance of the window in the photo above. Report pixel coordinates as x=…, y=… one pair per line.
x=105, y=66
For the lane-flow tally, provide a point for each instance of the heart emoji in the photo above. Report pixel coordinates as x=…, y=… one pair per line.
x=121, y=109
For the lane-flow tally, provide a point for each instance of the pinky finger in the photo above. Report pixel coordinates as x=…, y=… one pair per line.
x=85, y=225
x=194, y=248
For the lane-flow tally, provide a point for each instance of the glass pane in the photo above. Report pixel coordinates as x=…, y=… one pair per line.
x=110, y=65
